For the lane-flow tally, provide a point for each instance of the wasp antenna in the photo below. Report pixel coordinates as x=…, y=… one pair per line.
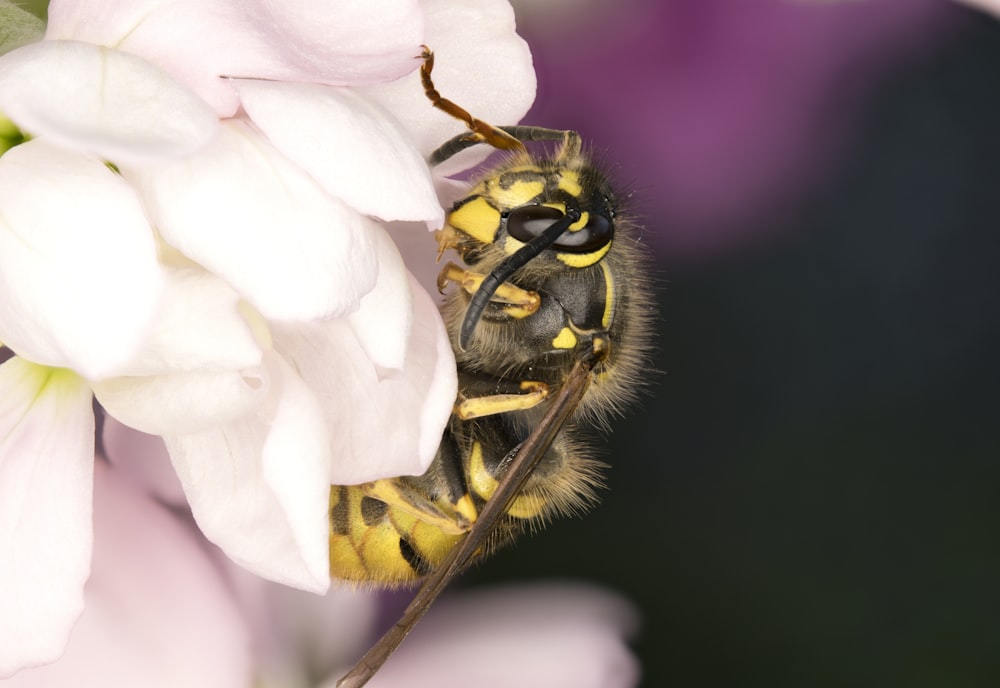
x=502, y=272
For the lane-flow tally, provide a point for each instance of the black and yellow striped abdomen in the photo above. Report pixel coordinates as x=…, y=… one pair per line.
x=396, y=531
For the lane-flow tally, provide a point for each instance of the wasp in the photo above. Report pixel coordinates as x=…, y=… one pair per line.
x=549, y=314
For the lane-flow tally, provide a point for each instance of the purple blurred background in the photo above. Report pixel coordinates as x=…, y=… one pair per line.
x=725, y=115
x=810, y=495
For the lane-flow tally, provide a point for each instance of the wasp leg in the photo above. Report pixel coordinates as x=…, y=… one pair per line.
x=448, y=517
x=520, y=303
x=447, y=238
x=479, y=131
x=534, y=394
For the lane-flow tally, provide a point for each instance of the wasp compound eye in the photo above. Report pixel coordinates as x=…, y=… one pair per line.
x=527, y=222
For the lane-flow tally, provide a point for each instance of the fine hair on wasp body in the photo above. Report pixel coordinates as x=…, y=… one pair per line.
x=549, y=311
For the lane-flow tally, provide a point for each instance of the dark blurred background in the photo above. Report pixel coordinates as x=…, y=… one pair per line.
x=809, y=495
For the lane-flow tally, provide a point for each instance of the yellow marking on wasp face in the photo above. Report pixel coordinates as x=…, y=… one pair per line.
x=477, y=218
x=582, y=260
x=569, y=181
x=519, y=193
x=581, y=223
x=565, y=339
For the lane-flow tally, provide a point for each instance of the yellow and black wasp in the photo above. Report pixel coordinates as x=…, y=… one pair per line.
x=550, y=319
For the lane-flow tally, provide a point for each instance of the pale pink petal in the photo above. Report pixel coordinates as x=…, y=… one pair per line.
x=299, y=635
x=383, y=320
x=539, y=636
x=259, y=487
x=144, y=459
x=46, y=482
x=79, y=278
x=380, y=426
x=158, y=613
x=991, y=6
x=420, y=252
x=480, y=63
x=182, y=402
x=200, y=326
x=355, y=150
x=243, y=211
x=103, y=102
x=336, y=42
x=340, y=41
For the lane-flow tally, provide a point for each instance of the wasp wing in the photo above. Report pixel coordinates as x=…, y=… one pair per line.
x=523, y=462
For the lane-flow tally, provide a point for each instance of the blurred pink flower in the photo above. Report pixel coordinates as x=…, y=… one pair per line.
x=194, y=232
x=543, y=635
x=158, y=611
x=162, y=609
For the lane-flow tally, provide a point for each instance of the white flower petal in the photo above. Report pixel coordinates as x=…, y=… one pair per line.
x=46, y=482
x=244, y=212
x=199, y=326
x=183, y=402
x=158, y=612
x=259, y=487
x=78, y=273
x=337, y=42
x=383, y=320
x=341, y=41
x=480, y=63
x=143, y=458
x=103, y=102
x=540, y=636
x=351, y=146
x=380, y=427
x=420, y=252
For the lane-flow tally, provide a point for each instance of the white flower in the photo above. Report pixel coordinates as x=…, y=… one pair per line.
x=226, y=282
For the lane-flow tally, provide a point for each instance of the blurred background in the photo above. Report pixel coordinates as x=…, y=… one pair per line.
x=809, y=494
